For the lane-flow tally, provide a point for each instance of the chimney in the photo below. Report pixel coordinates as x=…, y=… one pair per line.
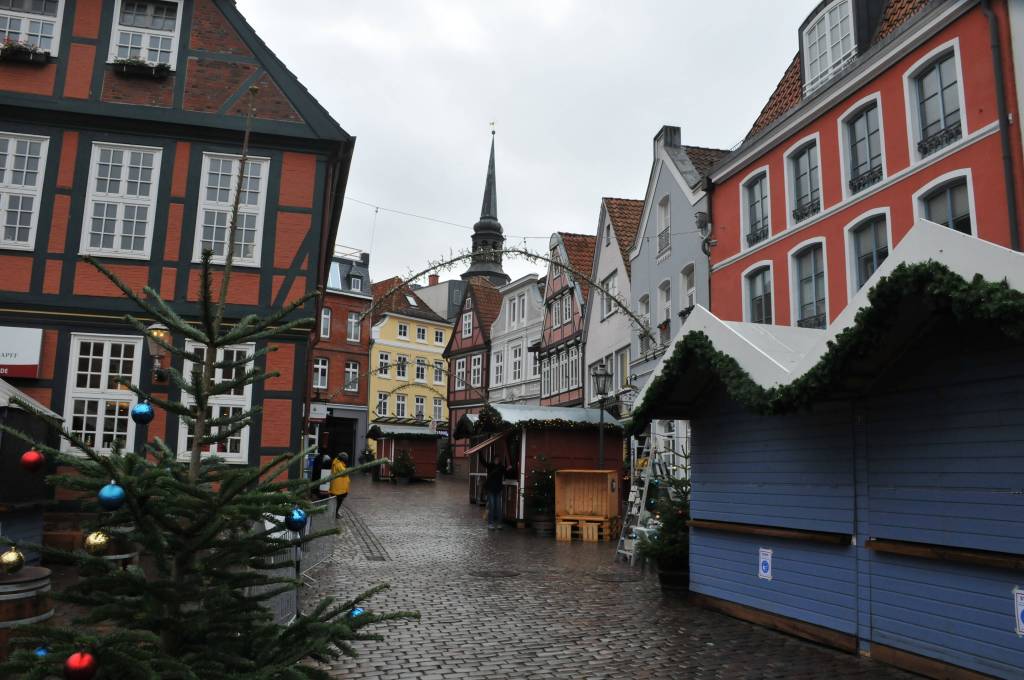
x=668, y=136
x=433, y=279
x=364, y=258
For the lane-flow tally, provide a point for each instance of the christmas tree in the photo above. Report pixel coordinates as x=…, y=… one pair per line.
x=210, y=534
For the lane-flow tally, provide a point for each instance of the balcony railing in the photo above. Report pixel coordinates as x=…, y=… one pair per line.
x=865, y=179
x=802, y=212
x=815, y=321
x=943, y=137
x=664, y=240
x=755, y=236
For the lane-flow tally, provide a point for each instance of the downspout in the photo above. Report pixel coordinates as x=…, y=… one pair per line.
x=1004, y=124
x=709, y=228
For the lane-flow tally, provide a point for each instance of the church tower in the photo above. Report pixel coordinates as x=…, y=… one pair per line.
x=487, y=234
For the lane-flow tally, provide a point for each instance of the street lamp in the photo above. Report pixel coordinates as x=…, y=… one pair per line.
x=155, y=335
x=602, y=385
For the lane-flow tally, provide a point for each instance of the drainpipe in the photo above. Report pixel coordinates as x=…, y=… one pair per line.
x=707, y=230
x=1004, y=124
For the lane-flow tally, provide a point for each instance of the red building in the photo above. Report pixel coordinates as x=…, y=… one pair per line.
x=902, y=113
x=560, y=351
x=120, y=139
x=339, y=383
x=468, y=354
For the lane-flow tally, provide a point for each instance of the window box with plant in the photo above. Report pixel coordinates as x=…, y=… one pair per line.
x=24, y=52
x=669, y=547
x=136, y=67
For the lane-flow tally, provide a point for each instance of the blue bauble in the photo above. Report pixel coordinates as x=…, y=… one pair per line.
x=296, y=519
x=358, y=611
x=111, y=497
x=41, y=652
x=142, y=413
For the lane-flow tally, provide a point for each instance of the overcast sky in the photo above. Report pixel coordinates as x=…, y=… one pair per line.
x=576, y=88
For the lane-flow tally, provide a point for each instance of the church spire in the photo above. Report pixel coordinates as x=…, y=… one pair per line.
x=487, y=233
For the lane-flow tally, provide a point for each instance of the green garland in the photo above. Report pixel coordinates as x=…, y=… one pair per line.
x=930, y=285
x=376, y=433
x=490, y=420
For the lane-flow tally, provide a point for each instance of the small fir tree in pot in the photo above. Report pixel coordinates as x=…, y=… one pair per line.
x=403, y=468
x=669, y=548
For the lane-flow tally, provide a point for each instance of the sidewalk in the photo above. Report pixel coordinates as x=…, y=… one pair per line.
x=506, y=604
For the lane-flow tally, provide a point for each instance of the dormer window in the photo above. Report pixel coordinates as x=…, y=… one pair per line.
x=146, y=31
x=828, y=44
x=355, y=283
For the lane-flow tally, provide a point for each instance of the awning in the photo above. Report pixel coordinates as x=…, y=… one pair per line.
x=487, y=442
x=7, y=391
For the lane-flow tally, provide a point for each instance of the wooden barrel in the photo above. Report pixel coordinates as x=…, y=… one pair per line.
x=24, y=599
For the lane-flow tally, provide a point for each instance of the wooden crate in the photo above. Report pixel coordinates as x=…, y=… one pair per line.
x=588, y=531
x=586, y=494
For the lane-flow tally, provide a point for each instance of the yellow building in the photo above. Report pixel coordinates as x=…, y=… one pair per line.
x=408, y=372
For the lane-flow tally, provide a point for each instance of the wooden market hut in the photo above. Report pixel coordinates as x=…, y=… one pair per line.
x=420, y=442
x=861, y=485
x=528, y=438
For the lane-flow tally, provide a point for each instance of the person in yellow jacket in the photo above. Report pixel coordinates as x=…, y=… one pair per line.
x=339, y=485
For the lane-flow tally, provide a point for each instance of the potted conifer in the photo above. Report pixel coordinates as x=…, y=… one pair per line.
x=403, y=468
x=669, y=547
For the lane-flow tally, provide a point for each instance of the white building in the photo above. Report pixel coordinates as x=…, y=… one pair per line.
x=515, y=373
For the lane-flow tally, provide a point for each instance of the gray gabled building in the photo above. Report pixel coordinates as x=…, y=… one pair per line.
x=515, y=371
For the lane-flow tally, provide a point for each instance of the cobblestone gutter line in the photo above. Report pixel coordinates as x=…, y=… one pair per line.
x=369, y=544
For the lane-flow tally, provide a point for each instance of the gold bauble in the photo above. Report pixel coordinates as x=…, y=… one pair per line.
x=97, y=543
x=12, y=561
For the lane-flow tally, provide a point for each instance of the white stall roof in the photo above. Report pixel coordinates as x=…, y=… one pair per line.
x=7, y=391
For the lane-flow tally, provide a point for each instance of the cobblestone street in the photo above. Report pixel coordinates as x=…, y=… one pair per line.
x=558, y=610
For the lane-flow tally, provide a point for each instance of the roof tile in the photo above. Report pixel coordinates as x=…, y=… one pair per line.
x=580, y=249
x=625, y=215
x=397, y=301
x=487, y=301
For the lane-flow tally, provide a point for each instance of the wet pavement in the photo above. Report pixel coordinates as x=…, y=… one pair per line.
x=507, y=604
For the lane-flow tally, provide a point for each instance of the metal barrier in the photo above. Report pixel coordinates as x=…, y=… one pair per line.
x=317, y=552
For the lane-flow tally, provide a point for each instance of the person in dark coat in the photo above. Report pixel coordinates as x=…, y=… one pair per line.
x=493, y=485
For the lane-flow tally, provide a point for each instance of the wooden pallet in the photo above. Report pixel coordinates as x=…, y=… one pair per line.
x=586, y=530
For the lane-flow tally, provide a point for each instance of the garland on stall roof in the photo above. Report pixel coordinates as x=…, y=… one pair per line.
x=375, y=432
x=931, y=285
x=490, y=420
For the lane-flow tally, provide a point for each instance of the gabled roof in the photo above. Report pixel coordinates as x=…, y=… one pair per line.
x=500, y=417
x=704, y=158
x=580, y=250
x=486, y=300
x=789, y=92
x=392, y=295
x=935, y=274
x=625, y=215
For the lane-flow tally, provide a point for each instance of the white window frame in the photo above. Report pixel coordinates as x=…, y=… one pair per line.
x=26, y=17
x=515, y=363
x=420, y=368
x=438, y=372
x=259, y=210
x=745, y=280
x=382, y=401
x=913, y=114
x=498, y=363
x=556, y=375
x=400, y=410
x=146, y=33
x=419, y=407
x=351, y=383
x=745, y=205
x=545, y=377
x=511, y=315
x=812, y=84
x=355, y=284
x=353, y=331
x=522, y=307
x=844, y=140
x=689, y=291
x=851, y=251
x=384, y=364
x=918, y=197
x=243, y=401
x=121, y=200
x=321, y=373
x=438, y=337
x=438, y=408
x=574, y=368
x=325, y=323
x=467, y=324
x=534, y=360
x=460, y=373
x=102, y=393
x=567, y=308
x=664, y=227
x=787, y=159
x=476, y=364
x=9, y=189
x=401, y=367
x=610, y=288
x=563, y=362
x=421, y=331
x=622, y=358
x=794, y=280
x=403, y=330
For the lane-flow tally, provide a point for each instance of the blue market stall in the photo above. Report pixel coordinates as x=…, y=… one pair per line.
x=863, y=486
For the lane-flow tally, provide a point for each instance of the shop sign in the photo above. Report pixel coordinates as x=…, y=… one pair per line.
x=1018, y=610
x=764, y=564
x=19, y=352
x=317, y=411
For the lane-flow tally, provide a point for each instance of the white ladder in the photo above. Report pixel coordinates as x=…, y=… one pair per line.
x=640, y=479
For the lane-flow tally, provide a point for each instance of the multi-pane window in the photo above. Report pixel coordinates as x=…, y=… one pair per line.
x=545, y=377
x=938, y=105
x=622, y=369
x=439, y=337
x=382, y=403
x=22, y=160
x=235, y=361
x=610, y=290
x=384, y=364
x=216, y=199
x=400, y=405
x=806, y=192
x=460, y=374
x=147, y=31
x=567, y=308
x=949, y=205
x=759, y=288
x=31, y=22
x=499, y=367
x=421, y=334
x=401, y=367
x=467, y=324
x=403, y=330
x=865, y=143
x=353, y=326
x=512, y=314
x=98, y=405
x=870, y=248
x=574, y=367
x=325, y=323
x=643, y=310
x=828, y=43
x=517, y=362
x=810, y=278
x=664, y=225
x=689, y=286
x=121, y=201
x=534, y=362
x=522, y=307
x=355, y=283
x=421, y=370
x=563, y=377
x=351, y=376
x=438, y=408
x=665, y=318
x=555, y=386
x=756, y=191
x=475, y=370
x=420, y=408
x=438, y=371
x=320, y=371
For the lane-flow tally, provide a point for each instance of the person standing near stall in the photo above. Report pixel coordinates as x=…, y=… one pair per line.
x=339, y=485
x=494, y=483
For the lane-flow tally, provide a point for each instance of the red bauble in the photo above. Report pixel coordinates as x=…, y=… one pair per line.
x=32, y=461
x=80, y=666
